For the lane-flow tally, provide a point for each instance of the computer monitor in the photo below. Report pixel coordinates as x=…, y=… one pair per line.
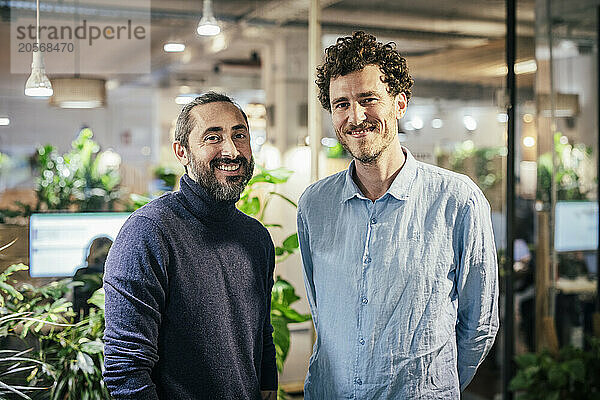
x=59, y=242
x=576, y=226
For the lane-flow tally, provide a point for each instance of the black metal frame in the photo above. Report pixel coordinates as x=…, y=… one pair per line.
x=509, y=317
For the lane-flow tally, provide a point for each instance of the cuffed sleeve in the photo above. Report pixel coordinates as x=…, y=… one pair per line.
x=135, y=283
x=477, y=285
x=269, y=366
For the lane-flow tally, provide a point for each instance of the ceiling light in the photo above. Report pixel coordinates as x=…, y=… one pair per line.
x=437, y=123
x=208, y=25
x=4, y=121
x=183, y=99
x=79, y=93
x=470, y=123
x=38, y=84
x=502, y=117
x=528, y=141
x=525, y=67
x=174, y=47
x=417, y=122
x=527, y=118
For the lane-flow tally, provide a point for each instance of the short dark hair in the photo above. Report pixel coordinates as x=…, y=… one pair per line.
x=353, y=53
x=185, y=122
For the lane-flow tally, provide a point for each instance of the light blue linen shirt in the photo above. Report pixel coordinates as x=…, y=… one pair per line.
x=404, y=290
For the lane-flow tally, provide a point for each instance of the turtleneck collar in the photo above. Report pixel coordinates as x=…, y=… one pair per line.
x=202, y=204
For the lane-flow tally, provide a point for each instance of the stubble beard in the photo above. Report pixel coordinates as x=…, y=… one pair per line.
x=369, y=149
x=233, y=186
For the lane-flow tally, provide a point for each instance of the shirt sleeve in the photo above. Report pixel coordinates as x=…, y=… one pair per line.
x=269, y=366
x=477, y=284
x=307, y=265
x=134, y=284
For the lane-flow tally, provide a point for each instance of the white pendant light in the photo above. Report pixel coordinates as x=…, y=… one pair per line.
x=38, y=84
x=208, y=25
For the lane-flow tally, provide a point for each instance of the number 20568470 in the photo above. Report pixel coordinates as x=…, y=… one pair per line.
x=59, y=47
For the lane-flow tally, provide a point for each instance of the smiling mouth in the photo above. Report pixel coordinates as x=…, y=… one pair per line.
x=228, y=167
x=360, y=132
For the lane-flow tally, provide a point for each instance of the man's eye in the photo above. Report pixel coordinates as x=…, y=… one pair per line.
x=212, y=138
x=370, y=100
x=341, y=105
x=240, y=135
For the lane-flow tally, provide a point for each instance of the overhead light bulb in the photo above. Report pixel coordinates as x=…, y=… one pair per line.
x=208, y=25
x=38, y=84
x=470, y=123
x=528, y=141
x=437, y=123
x=4, y=121
x=183, y=99
x=173, y=47
x=417, y=122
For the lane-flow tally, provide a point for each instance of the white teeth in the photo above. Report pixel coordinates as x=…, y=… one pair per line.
x=228, y=167
x=364, y=131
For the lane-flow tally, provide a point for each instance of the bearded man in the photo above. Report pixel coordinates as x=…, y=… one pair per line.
x=399, y=259
x=188, y=280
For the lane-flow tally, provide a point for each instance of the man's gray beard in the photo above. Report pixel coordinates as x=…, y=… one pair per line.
x=231, y=191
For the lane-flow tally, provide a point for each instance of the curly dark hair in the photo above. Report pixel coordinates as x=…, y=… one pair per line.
x=353, y=53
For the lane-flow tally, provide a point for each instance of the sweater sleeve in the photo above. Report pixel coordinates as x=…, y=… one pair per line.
x=135, y=284
x=269, y=367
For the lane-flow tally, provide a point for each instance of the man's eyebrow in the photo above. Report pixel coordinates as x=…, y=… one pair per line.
x=213, y=129
x=239, y=126
x=368, y=94
x=339, y=99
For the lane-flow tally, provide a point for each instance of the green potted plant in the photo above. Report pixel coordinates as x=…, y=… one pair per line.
x=572, y=374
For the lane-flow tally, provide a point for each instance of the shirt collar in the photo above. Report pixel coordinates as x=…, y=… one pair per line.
x=400, y=187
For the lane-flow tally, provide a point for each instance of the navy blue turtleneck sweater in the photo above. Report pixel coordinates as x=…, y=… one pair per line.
x=188, y=294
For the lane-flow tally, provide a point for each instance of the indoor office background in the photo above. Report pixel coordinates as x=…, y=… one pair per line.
x=460, y=117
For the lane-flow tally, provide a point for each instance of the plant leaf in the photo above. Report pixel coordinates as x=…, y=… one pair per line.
x=290, y=244
x=94, y=347
x=85, y=362
x=97, y=298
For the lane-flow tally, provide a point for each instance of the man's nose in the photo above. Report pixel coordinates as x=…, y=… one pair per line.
x=229, y=149
x=357, y=114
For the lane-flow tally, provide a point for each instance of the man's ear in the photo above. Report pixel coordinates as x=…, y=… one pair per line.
x=400, y=104
x=181, y=153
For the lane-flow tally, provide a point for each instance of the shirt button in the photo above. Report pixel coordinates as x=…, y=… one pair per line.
x=365, y=300
x=361, y=341
x=373, y=220
x=367, y=260
x=358, y=381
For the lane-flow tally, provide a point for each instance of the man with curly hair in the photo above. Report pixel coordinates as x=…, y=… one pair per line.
x=399, y=258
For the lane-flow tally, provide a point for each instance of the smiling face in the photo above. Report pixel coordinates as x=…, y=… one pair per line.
x=364, y=114
x=218, y=154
